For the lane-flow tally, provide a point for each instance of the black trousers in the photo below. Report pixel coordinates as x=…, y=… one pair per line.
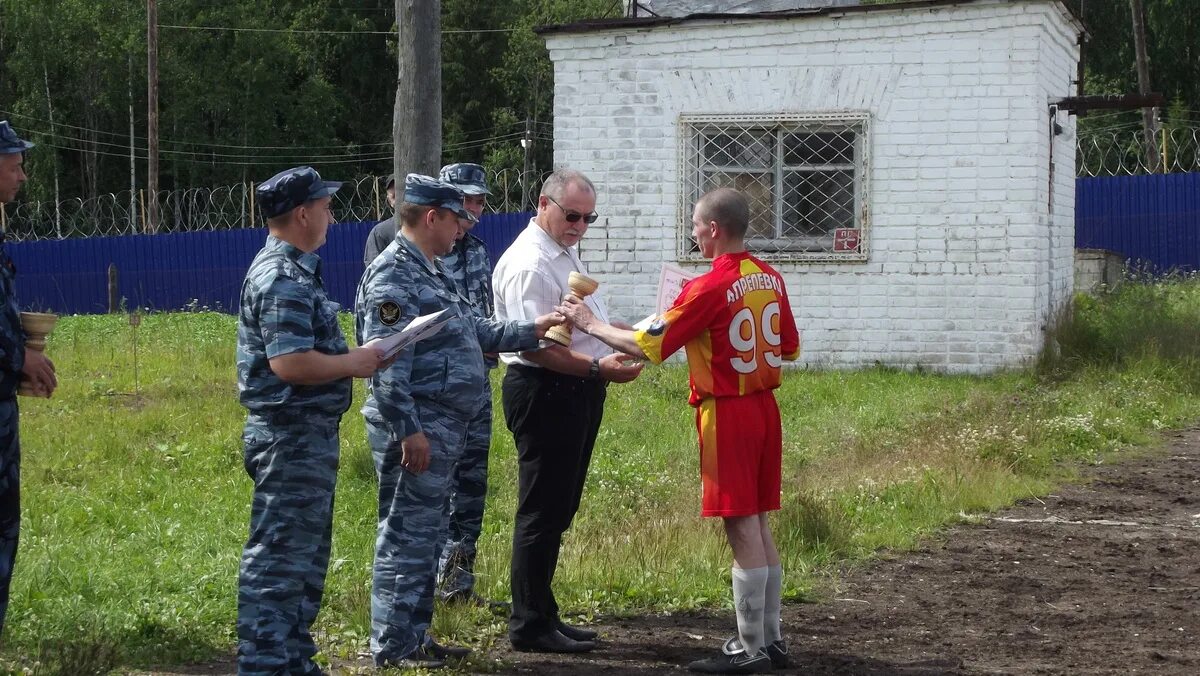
x=554, y=419
x=10, y=498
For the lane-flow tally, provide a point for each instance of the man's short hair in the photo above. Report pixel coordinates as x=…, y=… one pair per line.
x=556, y=183
x=411, y=214
x=728, y=207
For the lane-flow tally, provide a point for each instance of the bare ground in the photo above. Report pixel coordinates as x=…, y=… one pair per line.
x=1102, y=578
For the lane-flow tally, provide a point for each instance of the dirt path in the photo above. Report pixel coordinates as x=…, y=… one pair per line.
x=1096, y=579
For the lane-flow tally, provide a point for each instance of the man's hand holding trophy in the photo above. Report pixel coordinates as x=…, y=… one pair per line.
x=37, y=376
x=617, y=367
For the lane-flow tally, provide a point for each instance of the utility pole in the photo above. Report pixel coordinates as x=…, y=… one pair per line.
x=417, y=119
x=527, y=145
x=54, y=136
x=152, y=114
x=133, y=219
x=1149, y=115
x=1082, y=71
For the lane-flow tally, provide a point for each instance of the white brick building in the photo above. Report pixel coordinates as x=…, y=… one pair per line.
x=901, y=159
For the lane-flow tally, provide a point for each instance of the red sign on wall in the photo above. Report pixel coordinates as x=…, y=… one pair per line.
x=846, y=239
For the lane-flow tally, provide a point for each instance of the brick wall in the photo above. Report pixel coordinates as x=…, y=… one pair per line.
x=967, y=258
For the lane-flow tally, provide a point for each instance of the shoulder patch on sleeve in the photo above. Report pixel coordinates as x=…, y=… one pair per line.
x=389, y=313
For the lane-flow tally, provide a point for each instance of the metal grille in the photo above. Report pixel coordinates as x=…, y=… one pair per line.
x=223, y=208
x=804, y=175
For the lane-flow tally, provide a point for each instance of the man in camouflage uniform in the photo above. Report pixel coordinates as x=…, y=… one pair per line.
x=294, y=376
x=469, y=266
x=418, y=411
x=16, y=364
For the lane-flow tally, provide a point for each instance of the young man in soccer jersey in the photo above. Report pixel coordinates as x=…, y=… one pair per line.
x=736, y=325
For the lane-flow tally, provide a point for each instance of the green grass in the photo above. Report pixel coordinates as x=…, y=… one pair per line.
x=136, y=503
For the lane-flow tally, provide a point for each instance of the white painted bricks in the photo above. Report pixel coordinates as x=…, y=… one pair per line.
x=970, y=254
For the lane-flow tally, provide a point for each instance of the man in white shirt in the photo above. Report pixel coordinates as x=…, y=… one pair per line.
x=553, y=402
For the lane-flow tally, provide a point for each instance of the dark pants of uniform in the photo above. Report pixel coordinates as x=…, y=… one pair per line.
x=293, y=460
x=554, y=419
x=468, y=493
x=412, y=527
x=10, y=498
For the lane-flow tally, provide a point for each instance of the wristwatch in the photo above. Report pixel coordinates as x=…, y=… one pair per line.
x=594, y=369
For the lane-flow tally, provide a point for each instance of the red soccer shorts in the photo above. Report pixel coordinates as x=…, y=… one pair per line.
x=741, y=451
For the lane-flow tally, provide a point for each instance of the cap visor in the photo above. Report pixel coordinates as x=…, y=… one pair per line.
x=25, y=145
x=325, y=189
x=466, y=215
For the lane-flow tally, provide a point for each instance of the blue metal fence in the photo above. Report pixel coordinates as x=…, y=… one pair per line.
x=1153, y=220
x=201, y=269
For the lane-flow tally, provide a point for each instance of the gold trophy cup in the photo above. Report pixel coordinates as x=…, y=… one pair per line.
x=581, y=287
x=37, y=326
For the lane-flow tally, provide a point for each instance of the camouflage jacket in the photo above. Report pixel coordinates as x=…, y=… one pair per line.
x=445, y=371
x=284, y=310
x=470, y=267
x=12, y=336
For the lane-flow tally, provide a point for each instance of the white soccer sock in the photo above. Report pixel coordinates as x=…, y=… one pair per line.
x=772, y=631
x=749, y=593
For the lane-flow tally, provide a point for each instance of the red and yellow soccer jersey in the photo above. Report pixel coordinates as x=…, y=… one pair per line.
x=737, y=325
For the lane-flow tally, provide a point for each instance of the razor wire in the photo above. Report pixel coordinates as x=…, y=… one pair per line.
x=1127, y=152
x=1122, y=152
x=222, y=208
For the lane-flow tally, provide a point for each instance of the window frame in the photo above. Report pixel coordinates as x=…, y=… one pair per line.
x=691, y=128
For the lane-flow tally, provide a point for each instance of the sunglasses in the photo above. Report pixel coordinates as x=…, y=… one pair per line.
x=574, y=217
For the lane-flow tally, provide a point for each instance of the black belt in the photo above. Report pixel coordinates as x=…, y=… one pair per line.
x=551, y=376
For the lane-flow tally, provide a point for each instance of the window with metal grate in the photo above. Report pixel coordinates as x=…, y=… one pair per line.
x=805, y=176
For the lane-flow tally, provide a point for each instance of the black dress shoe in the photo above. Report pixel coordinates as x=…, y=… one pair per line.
x=446, y=652
x=417, y=659
x=554, y=642
x=576, y=633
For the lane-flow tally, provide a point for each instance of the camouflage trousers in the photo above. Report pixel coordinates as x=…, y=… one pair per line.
x=293, y=460
x=10, y=498
x=468, y=492
x=412, y=526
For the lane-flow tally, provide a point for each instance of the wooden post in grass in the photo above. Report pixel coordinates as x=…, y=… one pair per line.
x=114, y=292
x=135, y=320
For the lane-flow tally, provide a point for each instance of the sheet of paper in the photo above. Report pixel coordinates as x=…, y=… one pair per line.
x=670, y=284
x=418, y=329
x=645, y=323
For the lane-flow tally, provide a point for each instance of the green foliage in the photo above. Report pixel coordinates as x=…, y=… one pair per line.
x=135, y=500
x=1138, y=319
x=230, y=100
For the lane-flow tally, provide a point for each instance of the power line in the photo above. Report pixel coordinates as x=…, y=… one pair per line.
x=364, y=159
x=304, y=31
x=203, y=154
x=125, y=137
x=258, y=159
x=186, y=143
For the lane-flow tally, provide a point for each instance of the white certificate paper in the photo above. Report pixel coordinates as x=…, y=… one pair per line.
x=418, y=329
x=670, y=284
